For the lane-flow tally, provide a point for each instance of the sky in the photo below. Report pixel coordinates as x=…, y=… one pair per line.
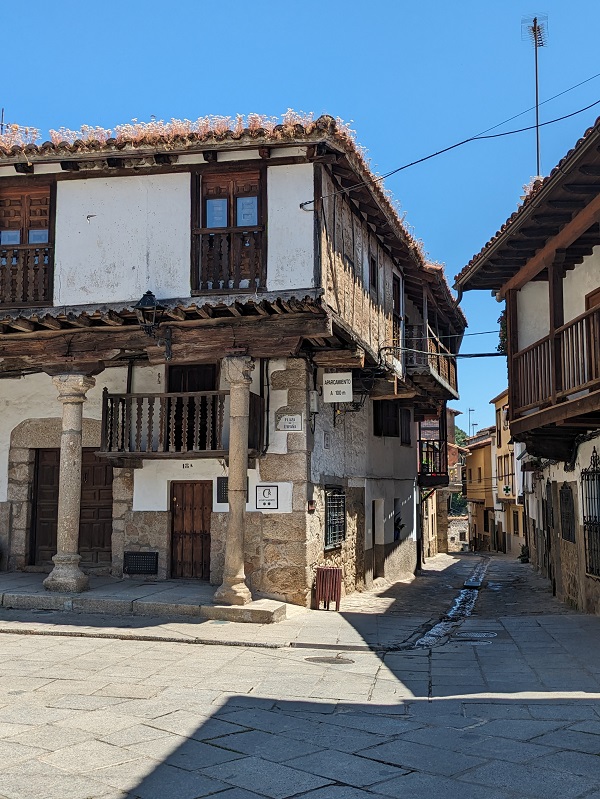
x=411, y=78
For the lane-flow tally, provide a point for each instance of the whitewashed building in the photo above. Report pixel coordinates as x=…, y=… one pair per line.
x=215, y=350
x=545, y=262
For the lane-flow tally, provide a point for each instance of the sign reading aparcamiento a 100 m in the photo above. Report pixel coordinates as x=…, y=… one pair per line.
x=337, y=387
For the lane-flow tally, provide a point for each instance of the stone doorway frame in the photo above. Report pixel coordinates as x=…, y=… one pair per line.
x=27, y=437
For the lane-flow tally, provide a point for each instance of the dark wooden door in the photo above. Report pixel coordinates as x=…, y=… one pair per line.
x=95, y=526
x=191, y=506
x=95, y=521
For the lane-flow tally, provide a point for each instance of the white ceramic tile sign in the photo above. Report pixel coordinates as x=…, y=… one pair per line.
x=289, y=422
x=267, y=497
x=337, y=387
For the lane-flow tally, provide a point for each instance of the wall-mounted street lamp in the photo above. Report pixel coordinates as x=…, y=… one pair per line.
x=150, y=315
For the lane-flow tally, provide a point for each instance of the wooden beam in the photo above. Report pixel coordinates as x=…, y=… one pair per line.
x=342, y=359
x=557, y=413
x=563, y=239
x=261, y=336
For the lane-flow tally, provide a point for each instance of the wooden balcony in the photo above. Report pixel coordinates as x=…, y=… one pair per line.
x=557, y=379
x=26, y=275
x=429, y=363
x=433, y=452
x=228, y=260
x=182, y=425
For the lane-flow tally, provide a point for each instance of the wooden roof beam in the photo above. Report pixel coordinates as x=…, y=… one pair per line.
x=587, y=217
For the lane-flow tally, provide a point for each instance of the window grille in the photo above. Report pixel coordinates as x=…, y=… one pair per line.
x=590, y=485
x=223, y=490
x=567, y=513
x=335, y=517
x=140, y=562
x=549, y=515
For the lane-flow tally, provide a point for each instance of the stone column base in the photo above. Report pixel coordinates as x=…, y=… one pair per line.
x=235, y=594
x=66, y=575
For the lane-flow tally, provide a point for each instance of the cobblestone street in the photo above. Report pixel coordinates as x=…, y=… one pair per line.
x=323, y=705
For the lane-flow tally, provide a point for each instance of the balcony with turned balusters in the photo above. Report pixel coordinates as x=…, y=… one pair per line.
x=173, y=425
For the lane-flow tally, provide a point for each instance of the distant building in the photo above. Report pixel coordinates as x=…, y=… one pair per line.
x=479, y=490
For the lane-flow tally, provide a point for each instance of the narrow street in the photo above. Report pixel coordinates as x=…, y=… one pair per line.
x=508, y=705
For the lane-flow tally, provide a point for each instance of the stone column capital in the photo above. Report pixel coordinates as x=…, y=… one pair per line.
x=237, y=369
x=73, y=387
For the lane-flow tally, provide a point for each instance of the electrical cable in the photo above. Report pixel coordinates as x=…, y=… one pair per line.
x=478, y=137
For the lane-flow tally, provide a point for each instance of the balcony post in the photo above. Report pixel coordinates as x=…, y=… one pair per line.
x=66, y=574
x=557, y=317
x=237, y=371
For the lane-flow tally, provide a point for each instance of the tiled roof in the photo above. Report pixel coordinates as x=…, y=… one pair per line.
x=131, y=144
x=537, y=187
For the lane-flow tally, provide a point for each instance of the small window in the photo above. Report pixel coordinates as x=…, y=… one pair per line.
x=247, y=211
x=479, y=474
x=462, y=536
x=499, y=427
x=216, y=213
x=386, y=418
x=405, y=425
x=10, y=237
x=567, y=513
x=373, y=274
x=38, y=236
x=516, y=522
x=335, y=517
x=500, y=472
x=470, y=475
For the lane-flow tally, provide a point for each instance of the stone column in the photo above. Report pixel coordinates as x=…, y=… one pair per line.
x=66, y=575
x=236, y=370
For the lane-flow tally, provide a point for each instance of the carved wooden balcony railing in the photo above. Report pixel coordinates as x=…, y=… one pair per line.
x=559, y=365
x=425, y=354
x=25, y=275
x=172, y=425
x=228, y=260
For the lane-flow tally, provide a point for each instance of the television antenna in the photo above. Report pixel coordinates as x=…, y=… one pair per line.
x=535, y=30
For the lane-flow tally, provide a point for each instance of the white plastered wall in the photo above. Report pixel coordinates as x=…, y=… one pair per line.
x=117, y=238
x=579, y=282
x=533, y=313
x=35, y=397
x=290, y=255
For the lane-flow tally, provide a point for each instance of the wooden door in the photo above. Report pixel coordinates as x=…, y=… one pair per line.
x=95, y=526
x=43, y=543
x=95, y=521
x=191, y=506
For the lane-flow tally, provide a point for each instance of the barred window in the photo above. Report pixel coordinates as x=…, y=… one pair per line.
x=567, y=513
x=590, y=484
x=335, y=516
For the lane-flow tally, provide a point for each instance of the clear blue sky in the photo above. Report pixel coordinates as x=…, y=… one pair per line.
x=412, y=76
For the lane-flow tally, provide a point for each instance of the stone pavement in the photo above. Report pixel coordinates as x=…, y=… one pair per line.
x=507, y=705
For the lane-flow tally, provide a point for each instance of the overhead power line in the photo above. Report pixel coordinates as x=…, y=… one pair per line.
x=478, y=137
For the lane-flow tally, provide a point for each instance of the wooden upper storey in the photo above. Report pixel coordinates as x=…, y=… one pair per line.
x=545, y=263
x=86, y=229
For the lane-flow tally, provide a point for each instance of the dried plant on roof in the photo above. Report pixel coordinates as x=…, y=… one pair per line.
x=18, y=135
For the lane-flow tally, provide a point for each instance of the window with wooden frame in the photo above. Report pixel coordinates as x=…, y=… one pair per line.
x=515, y=522
x=386, y=418
x=498, y=427
x=567, y=513
x=373, y=274
x=405, y=426
x=335, y=516
x=26, y=246
x=228, y=224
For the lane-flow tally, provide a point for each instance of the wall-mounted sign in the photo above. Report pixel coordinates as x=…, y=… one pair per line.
x=337, y=387
x=290, y=422
x=267, y=497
